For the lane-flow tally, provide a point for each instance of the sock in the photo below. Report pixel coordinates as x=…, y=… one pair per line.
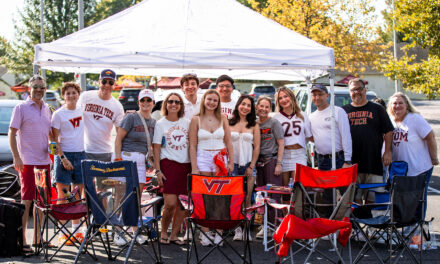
x=74, y=226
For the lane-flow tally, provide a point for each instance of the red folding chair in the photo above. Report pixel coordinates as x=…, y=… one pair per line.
x=218, y=202
x=303, y=223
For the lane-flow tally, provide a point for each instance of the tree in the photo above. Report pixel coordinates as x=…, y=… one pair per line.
x=106, y=8
x=343, y=25
x=60, y=19
x=419, y=23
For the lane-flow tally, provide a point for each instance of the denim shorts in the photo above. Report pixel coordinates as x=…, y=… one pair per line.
x=68, y=177
x=240, y=170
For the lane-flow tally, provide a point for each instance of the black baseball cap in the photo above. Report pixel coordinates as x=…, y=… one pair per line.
x=319, y=87
x=107, y=74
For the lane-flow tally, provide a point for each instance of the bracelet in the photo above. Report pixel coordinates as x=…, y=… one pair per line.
x=157, y=172
x=279, y=162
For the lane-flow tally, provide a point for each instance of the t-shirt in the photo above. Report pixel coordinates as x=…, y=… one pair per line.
x=136, y=139
x=190, y=108
x=270, y=131
x=174, y=139
x=296, y=130
x=71, y=126
x=228, y=108
x=409, y=144
x=368, y=124
x=321, y=127
x=99, y=117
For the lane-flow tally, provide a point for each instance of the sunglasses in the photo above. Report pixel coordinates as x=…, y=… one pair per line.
x=148, y=100
x=42, y=87
x=104, y=82
x=173, y=102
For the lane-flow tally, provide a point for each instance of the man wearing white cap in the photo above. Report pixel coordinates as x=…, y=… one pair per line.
x=133, y=142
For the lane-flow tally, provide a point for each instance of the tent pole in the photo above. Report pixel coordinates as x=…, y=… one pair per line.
x=332, y=107
x=82, y=76
x=308, y=112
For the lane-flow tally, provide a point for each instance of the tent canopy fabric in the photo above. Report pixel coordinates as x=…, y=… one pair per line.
x=173, y=37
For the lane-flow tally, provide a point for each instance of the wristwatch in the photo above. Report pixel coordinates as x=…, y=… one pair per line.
x=63, y=157
x=347, y=162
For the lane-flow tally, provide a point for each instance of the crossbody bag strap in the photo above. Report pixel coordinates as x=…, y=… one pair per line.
x=147, y=133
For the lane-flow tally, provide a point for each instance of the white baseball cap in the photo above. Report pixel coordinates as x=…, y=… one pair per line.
x=146, y=93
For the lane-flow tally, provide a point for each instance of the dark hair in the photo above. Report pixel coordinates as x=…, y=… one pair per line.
x=68, y=85
x=37, y=77
x=380, y=101
x=250, y=118
x=224, y=77
x=164, y=110
x=359, y=80
x=187, y=77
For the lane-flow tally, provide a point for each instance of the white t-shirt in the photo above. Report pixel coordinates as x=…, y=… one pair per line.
x=228, y=108
x=99, y=117
x=409, y=144
x=295, y=129
x=174, y=138
x=71, y=126
x=190, y=108
x=321, y=127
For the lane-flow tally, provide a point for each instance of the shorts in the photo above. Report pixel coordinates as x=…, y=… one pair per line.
x=139, y=158
x=27, y=181
x=106, y=157
x=363, y=177
x=68, y=177
x=240, y=170
x=205, y=160
x=177, y=176
x=293, y=156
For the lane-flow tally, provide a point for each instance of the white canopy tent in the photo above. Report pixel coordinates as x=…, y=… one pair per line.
x=173, y=37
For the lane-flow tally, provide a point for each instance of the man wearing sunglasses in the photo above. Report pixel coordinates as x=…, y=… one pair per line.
x=29, y=147
x=101, y=113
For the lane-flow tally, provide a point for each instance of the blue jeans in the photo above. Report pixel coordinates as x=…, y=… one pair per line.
x=325, y=163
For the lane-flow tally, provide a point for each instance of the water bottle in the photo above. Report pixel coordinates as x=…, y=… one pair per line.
x=291, y=183
x=259, y=200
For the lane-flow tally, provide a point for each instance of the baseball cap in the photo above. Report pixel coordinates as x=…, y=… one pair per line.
x=107, y=74
x=319, y=87
x=146, y=93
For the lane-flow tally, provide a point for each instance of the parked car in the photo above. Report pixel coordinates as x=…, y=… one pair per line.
x=267, y=90
x=6, y=107
x=235, y=93
x=53, y=98
x=128, y=98
x=342, y=97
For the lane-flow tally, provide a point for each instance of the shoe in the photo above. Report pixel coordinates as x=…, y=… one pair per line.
x=79, y=236
x=188, y=235
x=141, y=239
x=63, y=238
x=218, y=240
x=120, y=240
x=238, y=234
x=209, y=234
x=260, y=234
x=249, y=236
x=205, y=241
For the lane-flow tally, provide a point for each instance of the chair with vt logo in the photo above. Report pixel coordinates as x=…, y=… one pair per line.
x=217, y=202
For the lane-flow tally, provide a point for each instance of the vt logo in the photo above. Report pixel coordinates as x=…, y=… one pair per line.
x=210, y=185
x=75, y=121
x=97, y=117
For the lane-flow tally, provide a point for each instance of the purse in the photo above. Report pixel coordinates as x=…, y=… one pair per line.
x=149, y=157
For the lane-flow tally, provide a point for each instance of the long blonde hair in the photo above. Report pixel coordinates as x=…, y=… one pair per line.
x=409, y=106
x=295, y=105
x=217, y=110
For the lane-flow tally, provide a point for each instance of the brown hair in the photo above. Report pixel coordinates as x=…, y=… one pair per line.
x=217, y=110
x=164, y=110
x=261, y=98
x=67, y=85
x=187, y=77
x=409, y=106
x=295, y=105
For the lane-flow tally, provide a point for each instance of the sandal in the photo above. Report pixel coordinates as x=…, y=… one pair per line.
x=177, y=242
x=28, y=251
x=164, y=241
x=46, y=244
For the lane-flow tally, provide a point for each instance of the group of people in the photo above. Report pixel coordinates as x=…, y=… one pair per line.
x=194, y=130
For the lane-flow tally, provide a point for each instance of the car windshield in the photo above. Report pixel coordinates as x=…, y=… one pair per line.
x=130, y=92
x=264, y=89
x=5, y=119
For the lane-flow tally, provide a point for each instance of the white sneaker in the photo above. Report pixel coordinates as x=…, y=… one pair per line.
x=238, y=234
x=204, y=240
x=209, y=234
x=120, y=240
x=249, y=236
x=260, y=234
x=218, y=240
x=141, y=239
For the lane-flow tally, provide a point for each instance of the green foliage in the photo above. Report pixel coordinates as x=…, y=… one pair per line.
x=106, y=8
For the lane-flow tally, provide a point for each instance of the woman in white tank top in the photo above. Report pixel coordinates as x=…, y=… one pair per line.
x=209, y=134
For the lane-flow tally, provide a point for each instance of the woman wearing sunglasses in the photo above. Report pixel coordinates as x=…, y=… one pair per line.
x=171, y=161
x=133, y=143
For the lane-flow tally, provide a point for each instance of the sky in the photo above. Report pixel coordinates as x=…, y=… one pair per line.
x=8, y=11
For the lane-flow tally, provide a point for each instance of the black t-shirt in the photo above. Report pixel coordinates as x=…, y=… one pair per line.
x=368, y=124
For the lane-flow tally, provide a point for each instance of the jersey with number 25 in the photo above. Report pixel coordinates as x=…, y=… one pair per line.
x=296, y=130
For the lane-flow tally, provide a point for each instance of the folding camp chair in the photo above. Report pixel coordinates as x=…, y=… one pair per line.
x=122, y=211
x=217, y=202
x=406, y=208
x=55, y=214
x=303, y=223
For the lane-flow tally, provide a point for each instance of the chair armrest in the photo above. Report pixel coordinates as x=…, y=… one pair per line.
x=184, y=200
x=253, y=207
x=370, y=185
x=151, y=201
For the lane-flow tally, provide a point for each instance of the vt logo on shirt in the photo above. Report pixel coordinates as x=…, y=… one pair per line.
x=75, y=121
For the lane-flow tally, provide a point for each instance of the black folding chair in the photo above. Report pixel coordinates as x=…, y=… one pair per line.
x=123, y=210
x=406, y=209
